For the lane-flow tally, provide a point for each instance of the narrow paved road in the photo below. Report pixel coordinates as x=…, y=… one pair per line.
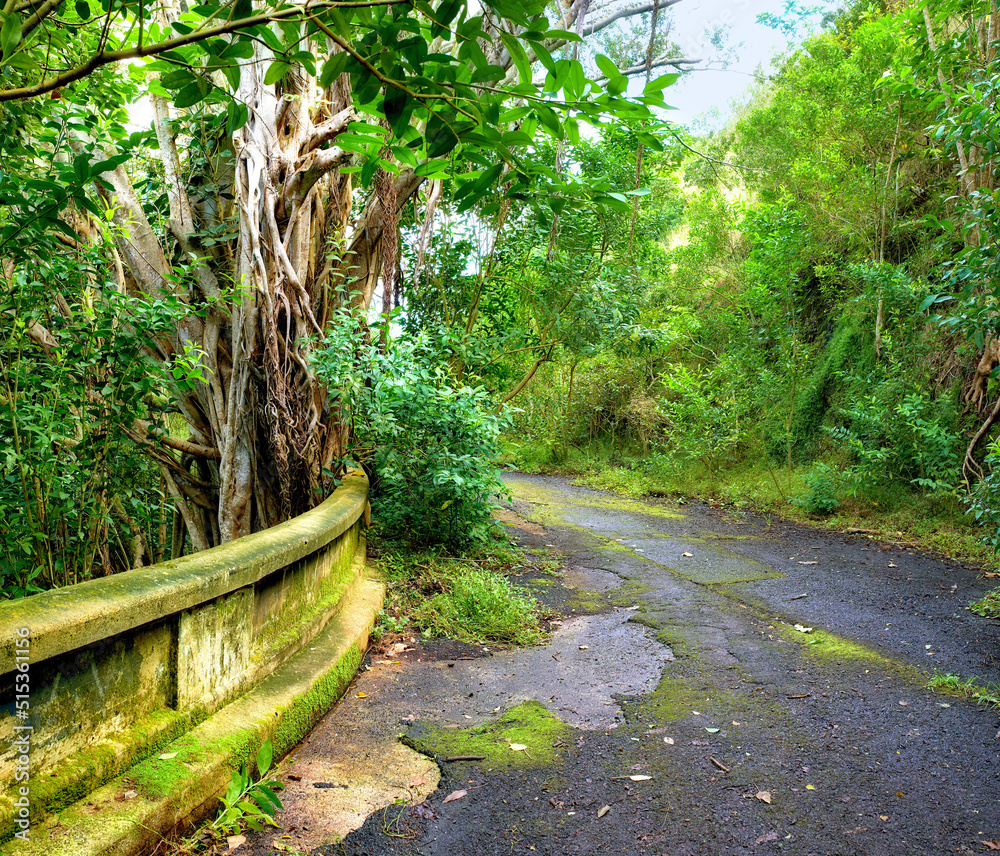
x=718, y=685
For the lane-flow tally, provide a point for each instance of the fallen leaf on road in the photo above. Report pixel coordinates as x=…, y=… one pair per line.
x=362, y=695
x=771, y=836
x=802, y=629
x=904, y=703
x=764, y=796
x=417, y=781
x=808, y=563
x=810, y=787
x=425, y=811
x=235, y=841
x=669, y=741
x=990, y=845
x=688, y=555
x=604, y=811
x=518, y=747
x=454, y=795
x=584, y=647
x=712, y=730
x=883, y=817
x=640, y=778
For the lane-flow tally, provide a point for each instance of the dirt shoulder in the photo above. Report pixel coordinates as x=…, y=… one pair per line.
x=719, y=685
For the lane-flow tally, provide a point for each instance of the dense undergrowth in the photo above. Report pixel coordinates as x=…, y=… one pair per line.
x=818, y=338
x=467, y=597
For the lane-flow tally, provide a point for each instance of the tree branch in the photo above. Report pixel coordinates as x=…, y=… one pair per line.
x=103, y=57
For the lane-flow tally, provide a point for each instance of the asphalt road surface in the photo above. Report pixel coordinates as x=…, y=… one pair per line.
x=716, y=685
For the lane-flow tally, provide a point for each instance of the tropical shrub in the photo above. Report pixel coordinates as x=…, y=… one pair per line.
x=428, y=443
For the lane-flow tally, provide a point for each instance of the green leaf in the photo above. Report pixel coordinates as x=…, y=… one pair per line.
x=270, y=794
x=660, y=83
x=368, y=172
x=10, y=35
x=397, y=108
x=237, y=116
x=81, y=167
x=518, y=55
x=544, y=57
x=238, y=50
x=333, y=68
x=275, y=72
x=191, y=94
x=607, y=66
x=444, y=15
x=264, y=757
x=519, y=11
x=82, y=9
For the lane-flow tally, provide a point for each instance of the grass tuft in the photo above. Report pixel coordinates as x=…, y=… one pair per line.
x=968, y=688
x=467, y=598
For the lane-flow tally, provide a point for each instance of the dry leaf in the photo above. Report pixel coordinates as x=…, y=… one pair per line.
x=235, y=841
x=604, y=811
x=417, y=781
x=584, y=647
x=764, y=796
x=425, y=811
x=640, y=778
x=771, y=836
x=688, y=555
x=454, y=795
x=990, y=845
x=362, y=695
x=810, y=787
x=808, y=563
x=130, y=795
x=518, y=747
x=883, y=817
x=669, y=741
x=802, y=629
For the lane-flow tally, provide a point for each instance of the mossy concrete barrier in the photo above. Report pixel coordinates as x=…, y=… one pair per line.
x=205, y=656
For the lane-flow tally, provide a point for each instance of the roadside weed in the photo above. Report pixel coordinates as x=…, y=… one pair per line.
x=967, y=688
x=247, y=802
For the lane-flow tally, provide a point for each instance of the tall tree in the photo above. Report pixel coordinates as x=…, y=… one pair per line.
x=289, y=138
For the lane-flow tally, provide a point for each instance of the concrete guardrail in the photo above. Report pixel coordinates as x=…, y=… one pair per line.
x=125, y=701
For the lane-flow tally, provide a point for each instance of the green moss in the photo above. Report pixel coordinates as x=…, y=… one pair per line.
x=821, y=646
x=674, y=698
x=86, y=770
x=306, y=709
x=529, y=724
x=585, y=602
x=848, y=346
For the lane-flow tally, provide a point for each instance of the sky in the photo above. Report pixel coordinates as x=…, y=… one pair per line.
x=710, y=87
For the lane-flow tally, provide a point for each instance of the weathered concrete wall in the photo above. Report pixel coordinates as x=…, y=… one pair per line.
x=119, y=667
